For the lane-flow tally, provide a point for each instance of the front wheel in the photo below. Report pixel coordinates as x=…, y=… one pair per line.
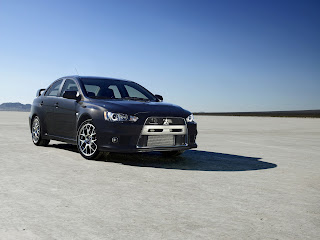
x=36, y=133
x=87, y=142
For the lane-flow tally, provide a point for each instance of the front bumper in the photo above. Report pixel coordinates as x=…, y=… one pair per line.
x=128, y=149
x=128, y=135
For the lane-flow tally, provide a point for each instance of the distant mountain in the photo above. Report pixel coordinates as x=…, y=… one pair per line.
x=299, y=113
x=15, y=107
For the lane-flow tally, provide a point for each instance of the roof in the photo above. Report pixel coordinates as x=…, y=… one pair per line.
x=94, y=77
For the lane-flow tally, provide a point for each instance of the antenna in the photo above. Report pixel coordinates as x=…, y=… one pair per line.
x=76, y=70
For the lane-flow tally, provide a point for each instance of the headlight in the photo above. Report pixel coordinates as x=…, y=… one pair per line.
x=119, y=117
x=190, y=118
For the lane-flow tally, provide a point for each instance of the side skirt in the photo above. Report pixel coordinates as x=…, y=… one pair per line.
x=61, y=139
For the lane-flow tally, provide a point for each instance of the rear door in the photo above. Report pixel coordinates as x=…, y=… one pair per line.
x=49, y=104
x=65, y=112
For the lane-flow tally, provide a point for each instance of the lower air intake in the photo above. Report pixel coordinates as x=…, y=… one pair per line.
x=161, y=141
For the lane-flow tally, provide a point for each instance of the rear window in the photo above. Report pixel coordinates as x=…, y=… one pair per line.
x=54, y=89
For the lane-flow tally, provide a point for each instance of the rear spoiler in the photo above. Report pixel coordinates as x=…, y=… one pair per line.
x=39, y=92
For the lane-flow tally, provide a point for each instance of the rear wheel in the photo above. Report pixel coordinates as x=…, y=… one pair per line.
x=36, y=133
x=87, y=142
x=172, y=153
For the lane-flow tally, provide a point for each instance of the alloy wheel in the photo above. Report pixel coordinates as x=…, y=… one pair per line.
x=87, y=140
x=36, y=130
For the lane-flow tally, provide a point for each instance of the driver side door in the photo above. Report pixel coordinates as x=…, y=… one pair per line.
x=65, y=113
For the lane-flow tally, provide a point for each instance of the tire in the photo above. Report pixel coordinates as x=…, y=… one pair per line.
x=172, y=153
x=36, y=133
x=86, y=142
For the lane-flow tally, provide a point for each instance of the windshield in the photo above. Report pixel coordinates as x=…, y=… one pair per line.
x=115, y=89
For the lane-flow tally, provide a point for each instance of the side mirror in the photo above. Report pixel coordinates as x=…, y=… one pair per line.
x=39, y=92
x=159, y=97
x=70, y=95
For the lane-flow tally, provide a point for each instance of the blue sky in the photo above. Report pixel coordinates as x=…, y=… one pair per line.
x=202, y=55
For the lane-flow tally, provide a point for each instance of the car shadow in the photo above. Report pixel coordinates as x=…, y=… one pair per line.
x=192, y=160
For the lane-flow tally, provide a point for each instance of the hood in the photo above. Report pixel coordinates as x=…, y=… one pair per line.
x=137, y=107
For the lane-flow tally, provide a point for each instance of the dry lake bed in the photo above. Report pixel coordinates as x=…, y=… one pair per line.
x=250, y=178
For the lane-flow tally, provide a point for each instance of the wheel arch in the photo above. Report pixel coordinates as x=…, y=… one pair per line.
x=31, y=120
x=83, y=117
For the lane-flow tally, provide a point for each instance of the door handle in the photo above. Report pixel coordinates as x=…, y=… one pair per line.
x=56, y=105
x=41, y=104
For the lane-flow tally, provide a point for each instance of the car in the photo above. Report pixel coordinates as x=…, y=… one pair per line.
x=102, y=115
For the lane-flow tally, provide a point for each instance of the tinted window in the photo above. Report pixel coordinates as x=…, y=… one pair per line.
x=54, y=89
x=115, y=89
x=134, y=93
x=92, y=90
x=69, y=85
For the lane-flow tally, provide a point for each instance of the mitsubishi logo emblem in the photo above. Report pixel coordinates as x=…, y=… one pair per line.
x=166, y=121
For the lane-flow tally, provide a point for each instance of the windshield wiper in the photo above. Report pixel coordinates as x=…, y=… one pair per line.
x=100, y=97
x=136, y=99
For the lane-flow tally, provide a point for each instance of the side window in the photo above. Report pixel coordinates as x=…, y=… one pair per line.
x=115, y=90
x=54, y=89
x=132, y=92
x=69, y=85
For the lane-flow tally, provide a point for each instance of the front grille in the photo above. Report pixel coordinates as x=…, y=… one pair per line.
x=165, y=121
x=163, y=132
x=160, y=141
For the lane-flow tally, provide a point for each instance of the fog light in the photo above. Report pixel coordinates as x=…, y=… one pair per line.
x=115, y=140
